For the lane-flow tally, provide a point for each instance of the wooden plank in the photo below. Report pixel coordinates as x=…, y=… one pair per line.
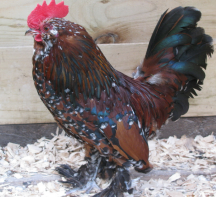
x=24, y=134
x=154, y=174
x=19, y=102
x=128, y=21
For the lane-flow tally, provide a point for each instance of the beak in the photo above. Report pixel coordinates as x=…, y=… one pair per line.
x=36, y=34
x=29, y=32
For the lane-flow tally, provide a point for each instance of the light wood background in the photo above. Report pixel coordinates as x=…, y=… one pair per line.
x=123, y=27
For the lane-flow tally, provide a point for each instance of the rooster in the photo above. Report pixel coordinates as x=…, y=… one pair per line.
x=112, y=114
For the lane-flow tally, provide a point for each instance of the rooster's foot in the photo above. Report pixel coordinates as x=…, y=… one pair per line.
x=120, y=184
x=83, y=179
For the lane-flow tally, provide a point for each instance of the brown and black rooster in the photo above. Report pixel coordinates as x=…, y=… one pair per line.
x=111, y=113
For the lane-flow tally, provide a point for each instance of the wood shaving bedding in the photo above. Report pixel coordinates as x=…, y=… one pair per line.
x=182, y=167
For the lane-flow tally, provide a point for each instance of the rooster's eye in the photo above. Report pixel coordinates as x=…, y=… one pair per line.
x=46, y=28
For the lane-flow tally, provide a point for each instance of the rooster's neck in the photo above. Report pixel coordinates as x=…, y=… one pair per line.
x=75, y=69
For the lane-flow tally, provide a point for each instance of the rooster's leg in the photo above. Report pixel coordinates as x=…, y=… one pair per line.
x=84, y=178
x=120, y=184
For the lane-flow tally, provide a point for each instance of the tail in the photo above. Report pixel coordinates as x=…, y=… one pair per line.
x=176, y=57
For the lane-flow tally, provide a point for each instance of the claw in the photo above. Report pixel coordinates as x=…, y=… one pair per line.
x=93, y=185
x=87, y=189
x=73, y=182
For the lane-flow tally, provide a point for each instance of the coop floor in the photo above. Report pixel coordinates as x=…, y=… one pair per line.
x=182, y=167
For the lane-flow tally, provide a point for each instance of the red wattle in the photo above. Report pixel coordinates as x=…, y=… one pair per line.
x=38, y=38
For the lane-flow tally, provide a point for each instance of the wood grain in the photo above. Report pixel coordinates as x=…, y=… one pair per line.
x=129, y=23
x=119, y=21
x=19, y=102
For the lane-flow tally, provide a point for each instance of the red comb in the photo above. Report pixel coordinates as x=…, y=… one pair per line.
x=40, y=13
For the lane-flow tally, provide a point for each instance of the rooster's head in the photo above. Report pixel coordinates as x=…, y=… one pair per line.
x=40, y=20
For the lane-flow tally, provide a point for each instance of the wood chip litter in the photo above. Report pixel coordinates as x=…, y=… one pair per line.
x=183, y=167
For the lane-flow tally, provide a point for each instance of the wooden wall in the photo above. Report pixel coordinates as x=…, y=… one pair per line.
x=123, y=29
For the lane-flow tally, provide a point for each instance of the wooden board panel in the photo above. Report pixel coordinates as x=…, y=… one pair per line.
x=127, y=21
x=24, y=134
x=19, y=102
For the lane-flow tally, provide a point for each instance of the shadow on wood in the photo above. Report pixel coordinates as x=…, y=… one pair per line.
x=29, y=133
